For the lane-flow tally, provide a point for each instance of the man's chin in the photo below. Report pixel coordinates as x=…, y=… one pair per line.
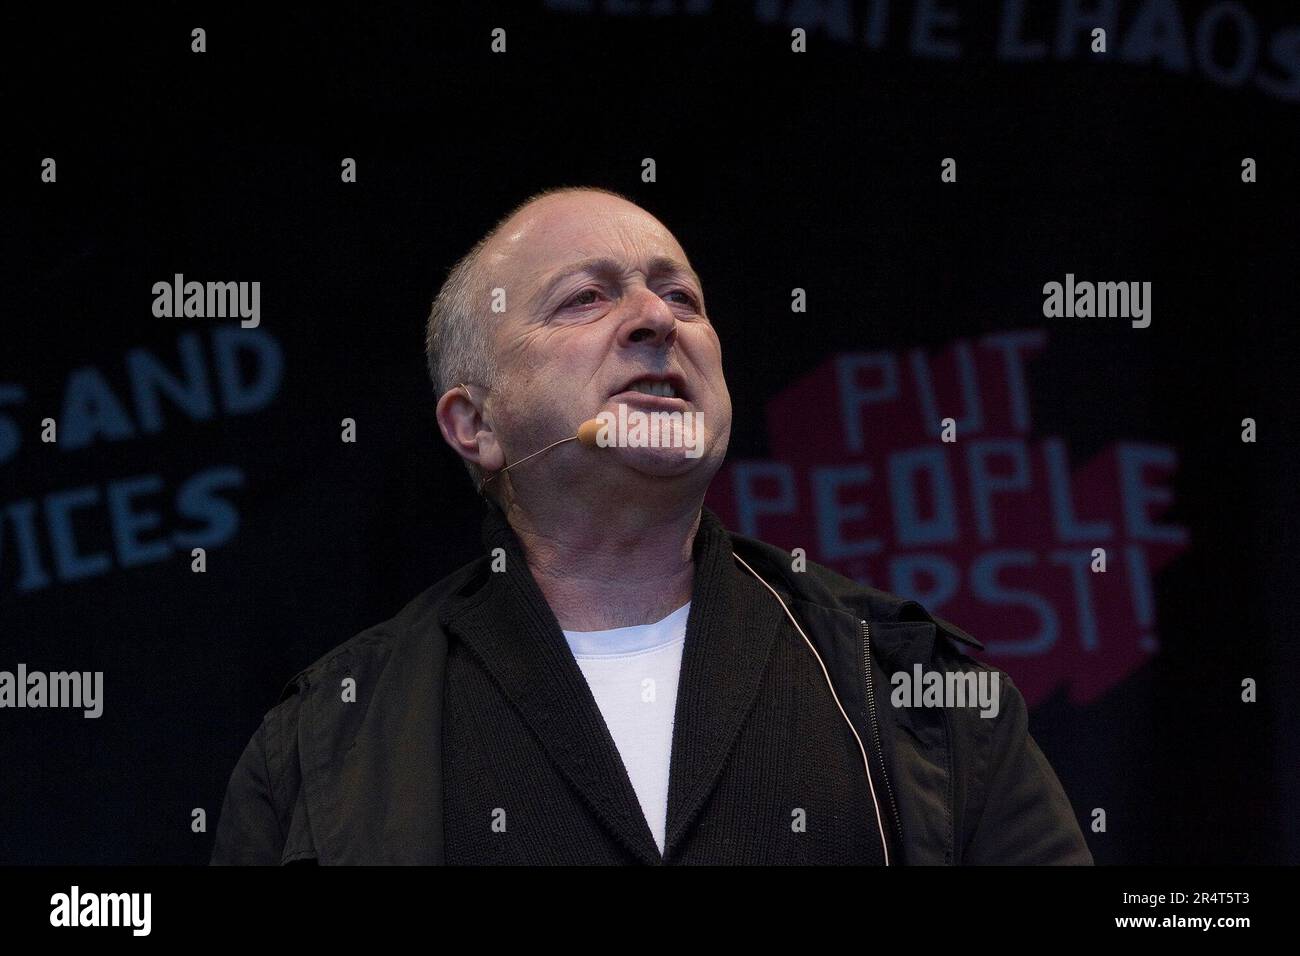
x=660, y=463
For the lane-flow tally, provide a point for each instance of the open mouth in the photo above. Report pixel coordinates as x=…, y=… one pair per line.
x=665, y=386
x=647, y=387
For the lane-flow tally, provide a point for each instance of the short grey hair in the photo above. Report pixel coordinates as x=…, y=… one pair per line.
x=457, y=339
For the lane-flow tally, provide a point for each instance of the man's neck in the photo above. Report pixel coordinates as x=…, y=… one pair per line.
x=616, y=568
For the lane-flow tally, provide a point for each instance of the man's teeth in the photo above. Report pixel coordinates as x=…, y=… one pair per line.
x=664, y=389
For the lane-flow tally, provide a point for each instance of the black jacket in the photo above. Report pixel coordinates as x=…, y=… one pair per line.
x=361, y=782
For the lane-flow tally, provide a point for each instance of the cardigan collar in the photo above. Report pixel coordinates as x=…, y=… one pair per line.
x=508, y=625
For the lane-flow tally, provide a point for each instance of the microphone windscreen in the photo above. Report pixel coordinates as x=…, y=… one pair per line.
x=587, y=432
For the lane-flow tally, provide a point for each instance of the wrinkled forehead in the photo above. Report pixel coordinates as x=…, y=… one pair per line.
x=560, y=231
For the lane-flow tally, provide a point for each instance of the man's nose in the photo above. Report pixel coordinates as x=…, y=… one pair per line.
x=649, y=319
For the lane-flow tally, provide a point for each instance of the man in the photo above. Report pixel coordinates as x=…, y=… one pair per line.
x=619, y=679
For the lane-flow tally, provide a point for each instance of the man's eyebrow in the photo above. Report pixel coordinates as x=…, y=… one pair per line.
x=659, y=265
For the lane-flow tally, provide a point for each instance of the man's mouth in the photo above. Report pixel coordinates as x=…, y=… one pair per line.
x=646, y=386
x=661, y=386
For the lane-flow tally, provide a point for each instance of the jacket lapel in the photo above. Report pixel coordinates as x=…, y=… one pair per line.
x=729, y=637
x=730, y=633
x=514, y=634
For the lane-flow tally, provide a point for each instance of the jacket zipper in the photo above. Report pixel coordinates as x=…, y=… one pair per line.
x=875, y=728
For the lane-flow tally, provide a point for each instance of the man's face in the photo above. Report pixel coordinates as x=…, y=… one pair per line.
x=599, y=295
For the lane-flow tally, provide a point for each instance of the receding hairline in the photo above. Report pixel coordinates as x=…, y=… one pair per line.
x=478, y=256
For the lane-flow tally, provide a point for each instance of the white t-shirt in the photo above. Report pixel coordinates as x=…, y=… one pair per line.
x=632, y=672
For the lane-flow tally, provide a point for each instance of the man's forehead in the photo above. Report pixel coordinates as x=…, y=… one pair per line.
x=553, y=234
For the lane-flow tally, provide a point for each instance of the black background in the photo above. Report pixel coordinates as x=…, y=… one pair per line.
x=774, y=170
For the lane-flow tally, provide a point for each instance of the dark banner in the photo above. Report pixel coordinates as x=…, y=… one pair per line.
x=1006, y=294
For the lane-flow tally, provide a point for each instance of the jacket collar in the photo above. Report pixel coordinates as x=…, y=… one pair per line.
x=834, y=592
x=730, y=632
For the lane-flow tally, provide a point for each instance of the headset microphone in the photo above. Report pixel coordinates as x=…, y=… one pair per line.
x=587, y=432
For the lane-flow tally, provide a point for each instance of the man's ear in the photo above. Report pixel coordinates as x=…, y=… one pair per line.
x=467, y=431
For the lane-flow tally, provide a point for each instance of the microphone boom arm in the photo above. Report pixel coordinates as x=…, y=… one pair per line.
x=522, y=460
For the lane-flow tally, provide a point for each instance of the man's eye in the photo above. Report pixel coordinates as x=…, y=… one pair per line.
x=690, y=299
x=573, y=300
